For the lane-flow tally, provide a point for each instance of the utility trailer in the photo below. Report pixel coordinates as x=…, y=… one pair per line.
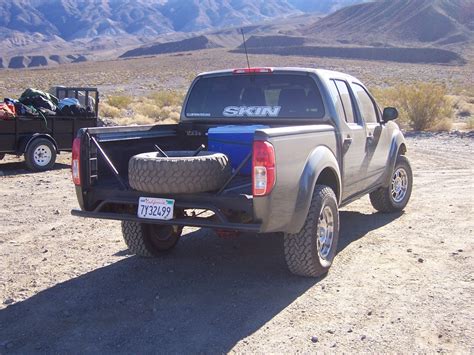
x=41, y=138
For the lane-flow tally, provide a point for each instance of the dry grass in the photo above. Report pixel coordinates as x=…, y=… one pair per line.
x=422, y=106
x=157, y=107
x=470, y=123
x=119, y=101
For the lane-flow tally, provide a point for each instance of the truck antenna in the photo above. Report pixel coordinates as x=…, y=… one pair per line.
x=245, y=47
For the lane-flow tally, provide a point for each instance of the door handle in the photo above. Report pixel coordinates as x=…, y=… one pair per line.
x=348, y=140
x=370, y=138
x=346, y=143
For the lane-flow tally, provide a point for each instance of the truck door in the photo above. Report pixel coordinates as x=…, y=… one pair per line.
x=353, y=135
x=377, y=138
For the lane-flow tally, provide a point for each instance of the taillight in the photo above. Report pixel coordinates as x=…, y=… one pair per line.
x=75, y=165
x=253, y=71
x=263, y=168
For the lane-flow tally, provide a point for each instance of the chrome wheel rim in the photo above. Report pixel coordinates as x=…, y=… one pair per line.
x=325, y=232
x=399, y=185
x=42, y=155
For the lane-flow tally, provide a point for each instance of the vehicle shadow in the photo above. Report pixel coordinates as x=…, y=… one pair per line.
x=19, y=168
x=205, y=296
x=355, y=225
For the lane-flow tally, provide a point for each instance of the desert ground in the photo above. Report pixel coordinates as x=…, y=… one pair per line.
x=400, y=283
x=138, y=76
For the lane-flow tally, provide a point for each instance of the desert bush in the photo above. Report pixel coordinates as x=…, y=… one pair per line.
x=167, y=98
x=119, y=101
x=136, y=119
x=158, y=107
x=146, y=108
x=422, y=106
x=106, y=110
x=470, y=123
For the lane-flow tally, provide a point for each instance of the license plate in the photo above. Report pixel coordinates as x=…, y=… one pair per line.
x=155, y=208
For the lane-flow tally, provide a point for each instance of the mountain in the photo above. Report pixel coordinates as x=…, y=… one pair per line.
x=70, y=19
x=423, y=22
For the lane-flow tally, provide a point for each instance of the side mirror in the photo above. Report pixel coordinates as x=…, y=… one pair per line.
x=389, y=114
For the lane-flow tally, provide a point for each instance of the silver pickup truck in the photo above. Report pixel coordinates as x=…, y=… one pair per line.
x=256, y=150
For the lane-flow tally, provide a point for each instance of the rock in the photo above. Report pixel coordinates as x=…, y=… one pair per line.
x=420, y=260
x=314, y=339
x=331, y=331
x=363, y=337
x=349, y=330
x=57, y=212
x=369, y=313
x=409, y=250
x=460, y=250
x=333, y=345
x=9, y=301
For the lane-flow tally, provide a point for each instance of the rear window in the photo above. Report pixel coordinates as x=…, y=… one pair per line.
x=255, y=96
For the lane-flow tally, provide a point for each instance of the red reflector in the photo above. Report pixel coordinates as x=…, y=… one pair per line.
x=75, y=164
x=263, y=168
x=253, y=71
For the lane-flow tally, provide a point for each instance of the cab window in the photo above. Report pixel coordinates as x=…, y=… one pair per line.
x=365, y=103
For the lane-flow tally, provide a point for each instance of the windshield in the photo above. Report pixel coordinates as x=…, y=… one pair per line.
x=255, y=96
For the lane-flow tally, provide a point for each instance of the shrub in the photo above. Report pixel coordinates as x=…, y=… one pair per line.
x=470, y=123
x=422, y=106
x=119, y=101
x=106, y=110
x=167, y=98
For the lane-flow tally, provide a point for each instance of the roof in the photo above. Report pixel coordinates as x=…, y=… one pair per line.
x=322, y=73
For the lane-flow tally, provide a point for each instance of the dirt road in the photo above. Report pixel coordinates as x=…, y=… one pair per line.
x=400, y=283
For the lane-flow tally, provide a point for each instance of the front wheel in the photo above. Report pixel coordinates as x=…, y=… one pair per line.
x=40, y=155
x=150, y=240
x=395, y=197
x=311, y=251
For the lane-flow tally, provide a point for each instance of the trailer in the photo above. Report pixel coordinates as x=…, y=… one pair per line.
x=41, y=138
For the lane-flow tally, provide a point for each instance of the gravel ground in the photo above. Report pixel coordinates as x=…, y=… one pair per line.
x=400, y=282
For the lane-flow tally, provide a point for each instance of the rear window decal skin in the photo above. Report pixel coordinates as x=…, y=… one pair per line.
x=251, y=111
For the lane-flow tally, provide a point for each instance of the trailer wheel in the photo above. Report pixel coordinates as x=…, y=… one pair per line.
x=311, y=251
x=40, y=155
x=150, y=240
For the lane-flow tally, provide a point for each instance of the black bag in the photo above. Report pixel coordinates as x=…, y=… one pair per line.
x=39, y=102
x=23, y=110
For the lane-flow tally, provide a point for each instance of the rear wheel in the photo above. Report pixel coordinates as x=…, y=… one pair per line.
x=311, y=251
x=395, y=197
x=40, y=155
x=150, y=240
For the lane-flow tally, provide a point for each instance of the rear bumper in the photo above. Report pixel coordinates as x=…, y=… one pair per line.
x=219, y=222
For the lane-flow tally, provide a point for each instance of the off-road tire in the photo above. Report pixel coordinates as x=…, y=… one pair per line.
x=382, y=198
x=141, y=240
x=179, y=173
x=32, y=162
x=301, y=249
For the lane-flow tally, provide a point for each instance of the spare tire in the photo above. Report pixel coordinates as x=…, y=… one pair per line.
x=180, y=172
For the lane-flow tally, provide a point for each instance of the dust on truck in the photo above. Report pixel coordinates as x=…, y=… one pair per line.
x=257, y=150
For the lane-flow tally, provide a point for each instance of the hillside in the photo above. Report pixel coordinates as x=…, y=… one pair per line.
x=408, y=31
x=422, y=22
x=70, y=20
